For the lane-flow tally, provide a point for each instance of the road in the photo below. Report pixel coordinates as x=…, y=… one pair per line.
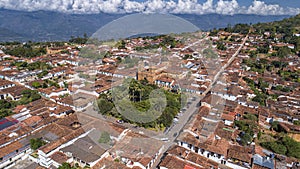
x=174, y=131
x=185, y=118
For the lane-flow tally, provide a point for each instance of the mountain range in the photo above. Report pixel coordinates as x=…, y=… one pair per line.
x=55, y=26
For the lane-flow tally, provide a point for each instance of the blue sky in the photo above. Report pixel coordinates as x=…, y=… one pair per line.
x=227, y=7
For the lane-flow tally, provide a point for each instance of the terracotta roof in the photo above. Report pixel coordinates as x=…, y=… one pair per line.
x=227, y=117
x=60, y=109
x=10, y=148
x=5, y=82
x=32, y=120
x=19, y=108
x=188, y=167
x=240, y=153
x=174, y=162
x=53, y=145
x=59, y=157
x=109, y=163
x=133, y=144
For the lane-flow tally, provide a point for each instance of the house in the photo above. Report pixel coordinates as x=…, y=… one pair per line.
x=60, y=111
x=263, y=161
x=165, y=81
x=5, y=84
x=179, y=157
x=108, y=61
x=136, y=150
x=53, y=91
x=45, y=152
x=228, y=119
x=7, y=122
x=14, y=152
x=107, y=162
x=59, y=158
x=15, y=92
x=172, y=162
x=240, y=153
x=84, y=152
x=214, y=148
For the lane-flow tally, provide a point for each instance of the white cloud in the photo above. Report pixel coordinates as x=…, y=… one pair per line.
x=261, y=7
x=228, y=7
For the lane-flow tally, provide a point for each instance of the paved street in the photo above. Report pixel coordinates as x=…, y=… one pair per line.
x=185, y=118
x=173, y=132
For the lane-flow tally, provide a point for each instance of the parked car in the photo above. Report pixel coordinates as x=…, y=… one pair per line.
x=120, y=121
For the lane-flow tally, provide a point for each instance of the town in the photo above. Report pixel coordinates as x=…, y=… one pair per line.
x=232, y=101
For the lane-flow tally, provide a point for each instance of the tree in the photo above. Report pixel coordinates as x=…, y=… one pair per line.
x=259, y=134
x=104, y=138
x=26, y=50
x=296, y=122
x=4, y=104
x=293, y=147
x=221, y=46
x=79, y=40
x=104, y=105
x=36, y=143
x=245, y=138
x=122, y=45
x=283, y=52
x=275, y=147
x=66, y=85
x=44, y=73
x=275, y=125
x=66, y=165
x=263, y=49
x=29, y=96
x=36, y=85
x=5, y=113
x=250, y=117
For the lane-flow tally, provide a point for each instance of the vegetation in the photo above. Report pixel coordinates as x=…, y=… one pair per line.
x=285, y=146
x=28, y=96
x=238, y=28
x=296, y=122
x=104, y=138
x=187, y=56
x=166, y=41
x=32, y=66
x=263, y=49
x=286, y=28
x=5, y=113
x=221, y=46
x=27, y=50
x=42, y=74
x=79, y=40
x=50, y=83
x=66, y=165
x=259, y=90
x=139, y=93
x=104, y=104
x=248, y=126
x=282, y=88
x=5, y=107
x=36, y=143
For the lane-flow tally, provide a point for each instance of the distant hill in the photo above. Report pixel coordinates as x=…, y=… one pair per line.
x=55, y=26
x=287, y=25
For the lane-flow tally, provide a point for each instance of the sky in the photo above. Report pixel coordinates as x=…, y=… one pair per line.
x=227, y=7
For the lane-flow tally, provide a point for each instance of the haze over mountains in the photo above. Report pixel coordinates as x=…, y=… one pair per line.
x=55, y=26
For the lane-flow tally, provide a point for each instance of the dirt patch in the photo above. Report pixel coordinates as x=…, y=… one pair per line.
x=295, y=137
